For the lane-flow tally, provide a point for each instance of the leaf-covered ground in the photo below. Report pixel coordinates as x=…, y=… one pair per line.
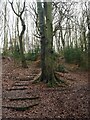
x=22, y=99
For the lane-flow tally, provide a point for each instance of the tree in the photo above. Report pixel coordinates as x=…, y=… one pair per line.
x=5, y=45
x=46, y=32
x=49, y=44
x=43, y=39
x=88, y=24
x=21, y=34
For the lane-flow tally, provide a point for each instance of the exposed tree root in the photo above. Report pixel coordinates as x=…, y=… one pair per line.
x=37, y=78
x=59, y=80
x=52, y=83
x=56, y=82
x=65, y=77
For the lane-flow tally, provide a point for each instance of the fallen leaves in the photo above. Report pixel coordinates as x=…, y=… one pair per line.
x=58, y=102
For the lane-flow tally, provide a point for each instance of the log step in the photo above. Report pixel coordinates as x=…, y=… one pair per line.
x=19, y=84
x=17, y=88
x=22, y=98
x=21, y=108
x=26, y=79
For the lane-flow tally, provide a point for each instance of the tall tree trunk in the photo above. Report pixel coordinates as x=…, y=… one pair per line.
x=84, y=37
x=5, y=45
x=57, y=38
x=46, y=32
x=88, y=23
x=62, y=39
x=21, y=44
x=43, y=40
x=49, y=44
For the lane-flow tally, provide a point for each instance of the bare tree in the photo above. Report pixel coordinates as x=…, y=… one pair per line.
x=5, y=45
x=88, y=24
x=21, y=34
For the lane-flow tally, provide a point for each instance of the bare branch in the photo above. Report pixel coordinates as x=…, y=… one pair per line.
x=13, y=9
x=19, y=15
x=23, y=9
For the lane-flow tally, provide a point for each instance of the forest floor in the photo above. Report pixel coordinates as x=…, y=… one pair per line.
x=23, y=99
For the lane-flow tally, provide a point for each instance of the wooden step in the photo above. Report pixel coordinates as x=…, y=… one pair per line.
x=17, y=88
x=27, y=79
x=23, y=98
x=20, y=84
x=16, y=94
x=20, y=106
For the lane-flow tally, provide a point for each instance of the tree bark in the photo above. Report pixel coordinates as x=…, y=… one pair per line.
x=21, y=44
x=49, y=39
x=43, y=40
x=5, y=45
x=46, y=32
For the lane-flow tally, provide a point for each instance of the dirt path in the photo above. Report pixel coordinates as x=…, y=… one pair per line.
x=23, y=99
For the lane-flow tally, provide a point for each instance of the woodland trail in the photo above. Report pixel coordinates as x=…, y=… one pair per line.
x=22, y=99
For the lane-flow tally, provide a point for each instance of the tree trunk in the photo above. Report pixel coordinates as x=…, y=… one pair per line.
x=43, y=40
x=21, y=34
x=46, y=32
x=5, y=45
x=85, y=41
x=62, y=39
x=49, y=44
x=21, y=44
x=88, y=23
